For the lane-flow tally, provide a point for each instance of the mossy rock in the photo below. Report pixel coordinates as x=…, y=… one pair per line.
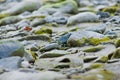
x=117, y=43
x=95, y=66
x=44, y=31
x=105, y=74
x=116, y=54
x=75, y=43
x=71, y=6
x=103, y=59
x=96, y=41
x=111, y=9
x=94, y=49
x=81, y=38
x=9, y=20
x=23, y=6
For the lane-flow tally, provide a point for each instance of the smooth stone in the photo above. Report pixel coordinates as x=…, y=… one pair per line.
x=71, y=60
x=54, y=53
x=32, y=75
x=58, y=20
x=100, y=28
x=45, y=64
x=44, y=37
x=67, y=6
x=81, y=38
x=89, y=58
x=10, y=63
x=111, y=34
x=50, y=47
x=11, y=48
x=82, y=17
x=37, y=21
x=114, y=67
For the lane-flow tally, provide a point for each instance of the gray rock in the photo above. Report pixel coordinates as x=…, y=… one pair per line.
x=59, y=20
x=32, y=75
x=54, y=53
x=10, y=48
x=100, y=28
x=37, y=21
x=81, y=38
x=10, y=63
x=82, y=17
x=50, y=47
x=114, y=67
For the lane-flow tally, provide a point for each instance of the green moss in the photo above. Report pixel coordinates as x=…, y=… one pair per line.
x=96, y=41
x=43, y=31
x=94, y=49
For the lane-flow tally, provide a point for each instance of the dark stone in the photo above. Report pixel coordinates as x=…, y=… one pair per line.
x=103, y=14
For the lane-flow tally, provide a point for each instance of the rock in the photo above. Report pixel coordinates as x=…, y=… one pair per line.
x=71, y=60
x=37, y=21
x=50, y=47
x=114, y=67
x=21, y=7
x=89, y=58
x=25, y=64
x=115, y=54
x=96, y=74
x=45, y=64
x=111, y=34
x=100, y=28
x=68, y=6
x=94, y=66
x=11, y=48
x=10, y=63
x=63, y=39
x=117, y=43
x=43, y=31
x=54, y=53
x=82, y=17
x=102, y=59
x=58, y=20
x=111, y=9
x=103, y=14
x=94, y=49
x=81, y=38
x=9, y=20
x=32, y=75
x=36, y=37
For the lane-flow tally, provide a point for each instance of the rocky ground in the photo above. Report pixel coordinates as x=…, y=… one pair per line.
x=59, y=39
